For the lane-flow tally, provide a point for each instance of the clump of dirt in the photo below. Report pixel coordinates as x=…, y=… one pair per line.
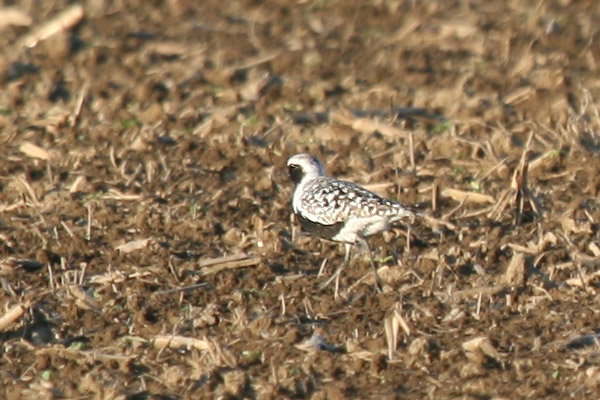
x=146, y=244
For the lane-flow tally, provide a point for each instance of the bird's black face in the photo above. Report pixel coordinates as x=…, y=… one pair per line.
x=296, y=173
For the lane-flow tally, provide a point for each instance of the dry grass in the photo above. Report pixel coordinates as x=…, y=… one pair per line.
x=146, y=245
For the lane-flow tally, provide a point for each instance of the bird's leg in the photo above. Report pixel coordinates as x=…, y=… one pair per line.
x=336, y=274
x=348, y=249
x=378, y=283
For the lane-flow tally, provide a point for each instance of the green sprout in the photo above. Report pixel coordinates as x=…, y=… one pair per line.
x=476, y=186
x=251, y=120
x=386, y=259
x=252, y=356
x=77, y=346
x=130, y=123
x=442, y=127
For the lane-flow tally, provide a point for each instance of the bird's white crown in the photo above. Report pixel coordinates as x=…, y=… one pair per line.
x=304, y=165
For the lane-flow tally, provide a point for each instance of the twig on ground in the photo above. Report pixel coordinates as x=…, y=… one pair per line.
x=183, y=289
x=519, y=191
x=163, y=341
x=62, y=21
x=219, y=264
x=11, y=316
x=79, y=106
x=34, y=151
x=468, y=197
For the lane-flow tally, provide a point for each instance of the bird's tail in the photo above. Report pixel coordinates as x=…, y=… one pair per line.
x=403, y=212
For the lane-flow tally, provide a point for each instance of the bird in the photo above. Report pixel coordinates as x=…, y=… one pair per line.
x=340, y=211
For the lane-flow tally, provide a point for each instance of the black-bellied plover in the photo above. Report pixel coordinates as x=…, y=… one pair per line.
x=338, y=210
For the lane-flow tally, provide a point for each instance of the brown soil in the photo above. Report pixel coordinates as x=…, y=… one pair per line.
x=148, y=141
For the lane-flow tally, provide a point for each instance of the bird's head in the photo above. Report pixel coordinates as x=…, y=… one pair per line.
x=304, y=165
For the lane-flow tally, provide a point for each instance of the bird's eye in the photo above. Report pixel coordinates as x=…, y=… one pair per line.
x=295, y=172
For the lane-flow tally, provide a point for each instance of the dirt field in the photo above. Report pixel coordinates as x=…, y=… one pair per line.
x=147, y=249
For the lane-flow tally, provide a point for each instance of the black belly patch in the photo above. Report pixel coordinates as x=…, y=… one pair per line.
x=324, y=231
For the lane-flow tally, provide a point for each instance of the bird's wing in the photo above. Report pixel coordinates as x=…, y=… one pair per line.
x=329, y=201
